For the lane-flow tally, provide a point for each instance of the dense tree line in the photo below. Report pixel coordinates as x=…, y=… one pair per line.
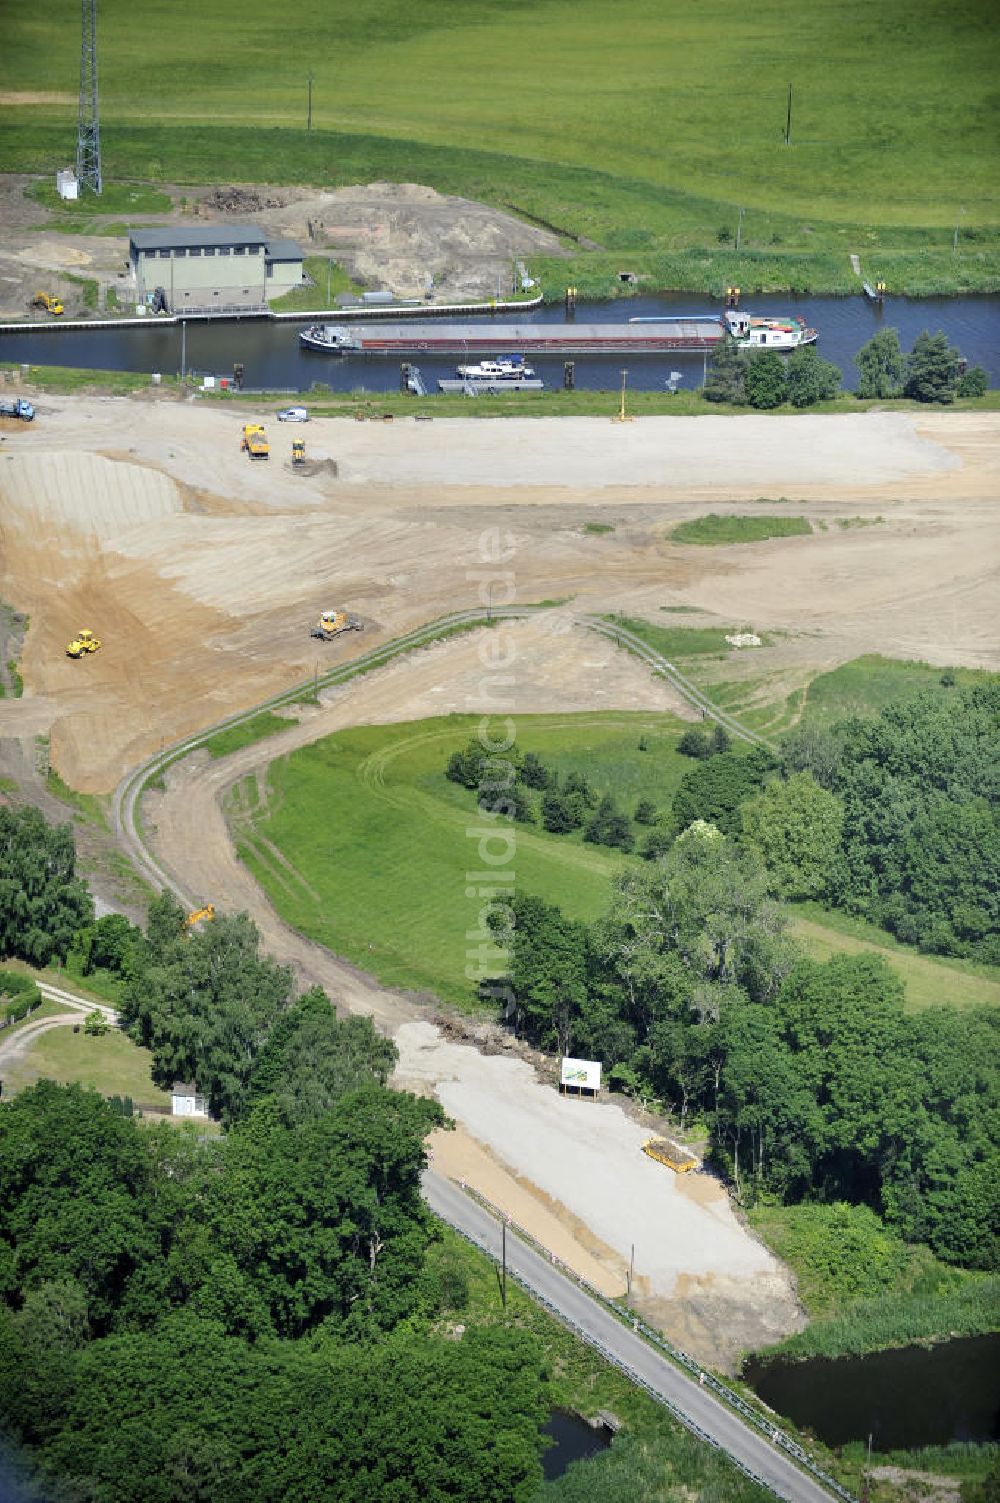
x=42, y=901
x=812, y=1079
x=250, y=1315
x=933, y=371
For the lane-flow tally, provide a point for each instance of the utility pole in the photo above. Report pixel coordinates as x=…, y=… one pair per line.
x=954, y=238
x=739, y=229
x=788, y=122
x=503, y=1281
x=329, y=273
x=309, y=115
x=183, y=349
x=621, y=416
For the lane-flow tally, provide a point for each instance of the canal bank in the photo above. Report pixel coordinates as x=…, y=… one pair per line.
x=273, y=359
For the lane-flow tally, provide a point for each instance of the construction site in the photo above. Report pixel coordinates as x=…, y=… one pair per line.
x=196, y=582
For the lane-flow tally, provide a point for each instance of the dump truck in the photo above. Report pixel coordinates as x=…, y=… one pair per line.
x=19, y=408
x=298, y=452
x=82, y=643
x=255, y=441
x=200, y=916
x=49, y=303
x=665, y=1151
x=332, y=623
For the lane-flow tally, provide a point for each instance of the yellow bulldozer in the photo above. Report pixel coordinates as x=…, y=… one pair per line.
x=298, y=451
x=50, y=304
x=82, y=643
x=332, y=623
x=254, y=441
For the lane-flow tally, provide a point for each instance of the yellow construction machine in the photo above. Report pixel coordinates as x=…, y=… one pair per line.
x=82, y=643
x=254, y=441
x=332, y=623
x=200, y=916
x=672, y=1154
x=298, y=451
x=50, y=304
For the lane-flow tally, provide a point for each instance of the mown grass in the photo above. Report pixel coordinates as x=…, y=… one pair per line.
x=865, y=1289
x=714, y=529
x=865, y=685
x=628, y=132
x=378, y=842
x=110, y=1063
x=929, y=980
x=682, y=641
x=238, y=736
x=117, y=198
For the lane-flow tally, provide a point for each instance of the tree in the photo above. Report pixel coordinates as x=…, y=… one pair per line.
x=764, y=381
x=557, y=815
x=881, y=366
x=548, y=970
x=726, y=372
x=932, y=369
x=42, y=901
x=609, y=827
x=646, y=812
x=714, y=790
x=974, y=383
x=794, y=826
x=205, y=1004
x=695, y=743
x=534, y=773
x=810, y=378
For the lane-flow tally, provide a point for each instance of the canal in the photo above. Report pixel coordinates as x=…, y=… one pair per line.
x=904, y=1399
x=273, y=359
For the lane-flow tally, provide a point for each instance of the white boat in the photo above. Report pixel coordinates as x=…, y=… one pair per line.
x=504, y=368
x=330, y=339
x=753, y=332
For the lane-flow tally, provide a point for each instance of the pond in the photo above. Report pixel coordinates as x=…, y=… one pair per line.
x=911, y=1397
x=574, y=1440
x=274, y=360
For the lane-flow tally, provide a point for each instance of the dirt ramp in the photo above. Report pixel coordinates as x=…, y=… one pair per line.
x=85, y=493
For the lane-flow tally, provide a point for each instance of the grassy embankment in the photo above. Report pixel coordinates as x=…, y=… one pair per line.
x=864, y=1289
x=110, y=1063
x=652, y=181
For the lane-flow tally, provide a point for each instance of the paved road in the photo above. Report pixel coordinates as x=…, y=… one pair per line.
x=597, y=1326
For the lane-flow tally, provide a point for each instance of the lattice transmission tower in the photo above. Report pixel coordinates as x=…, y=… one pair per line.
x=88, y=128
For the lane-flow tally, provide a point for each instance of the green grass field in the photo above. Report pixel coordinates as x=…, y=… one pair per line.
x=111, y=1064
x=639, y=128
x=866, y=685
x=713, y=529
x=364, y=846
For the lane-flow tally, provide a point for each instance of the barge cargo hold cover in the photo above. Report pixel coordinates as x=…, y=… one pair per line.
x=486, y=338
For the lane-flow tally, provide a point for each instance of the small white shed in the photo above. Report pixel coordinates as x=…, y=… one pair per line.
x=187, y=1101
x=66, y=184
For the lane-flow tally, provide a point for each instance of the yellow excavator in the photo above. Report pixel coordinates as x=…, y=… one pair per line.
x=50, y=304
x=200, y=916
x=82, y=643
x=332, y=623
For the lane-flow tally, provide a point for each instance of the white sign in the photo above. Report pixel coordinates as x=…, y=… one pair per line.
x=584, y=1074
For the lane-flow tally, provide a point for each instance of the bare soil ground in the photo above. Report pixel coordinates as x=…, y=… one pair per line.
x=202, y=573
x=406, y=238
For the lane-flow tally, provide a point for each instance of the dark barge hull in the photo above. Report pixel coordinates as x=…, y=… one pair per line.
x=490, y=339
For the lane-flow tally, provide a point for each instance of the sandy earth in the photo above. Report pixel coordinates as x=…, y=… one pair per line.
x=403, y=237
x=202, y=573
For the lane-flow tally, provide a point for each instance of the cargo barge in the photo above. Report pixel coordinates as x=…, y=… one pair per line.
x=662, y=336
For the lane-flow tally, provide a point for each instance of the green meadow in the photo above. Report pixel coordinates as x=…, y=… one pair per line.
x=638, y=131
x=364, y=846
x=714, y=530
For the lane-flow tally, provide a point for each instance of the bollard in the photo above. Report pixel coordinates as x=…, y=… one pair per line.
x=569, y=375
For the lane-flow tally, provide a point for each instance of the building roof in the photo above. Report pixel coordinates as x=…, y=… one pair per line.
x=183, y=236
x=283, y=250
x=185, y=1088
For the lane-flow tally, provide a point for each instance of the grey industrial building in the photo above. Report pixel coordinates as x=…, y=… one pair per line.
x=229, y=268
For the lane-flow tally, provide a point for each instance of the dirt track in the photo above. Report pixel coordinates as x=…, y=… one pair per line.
x=202, y=573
